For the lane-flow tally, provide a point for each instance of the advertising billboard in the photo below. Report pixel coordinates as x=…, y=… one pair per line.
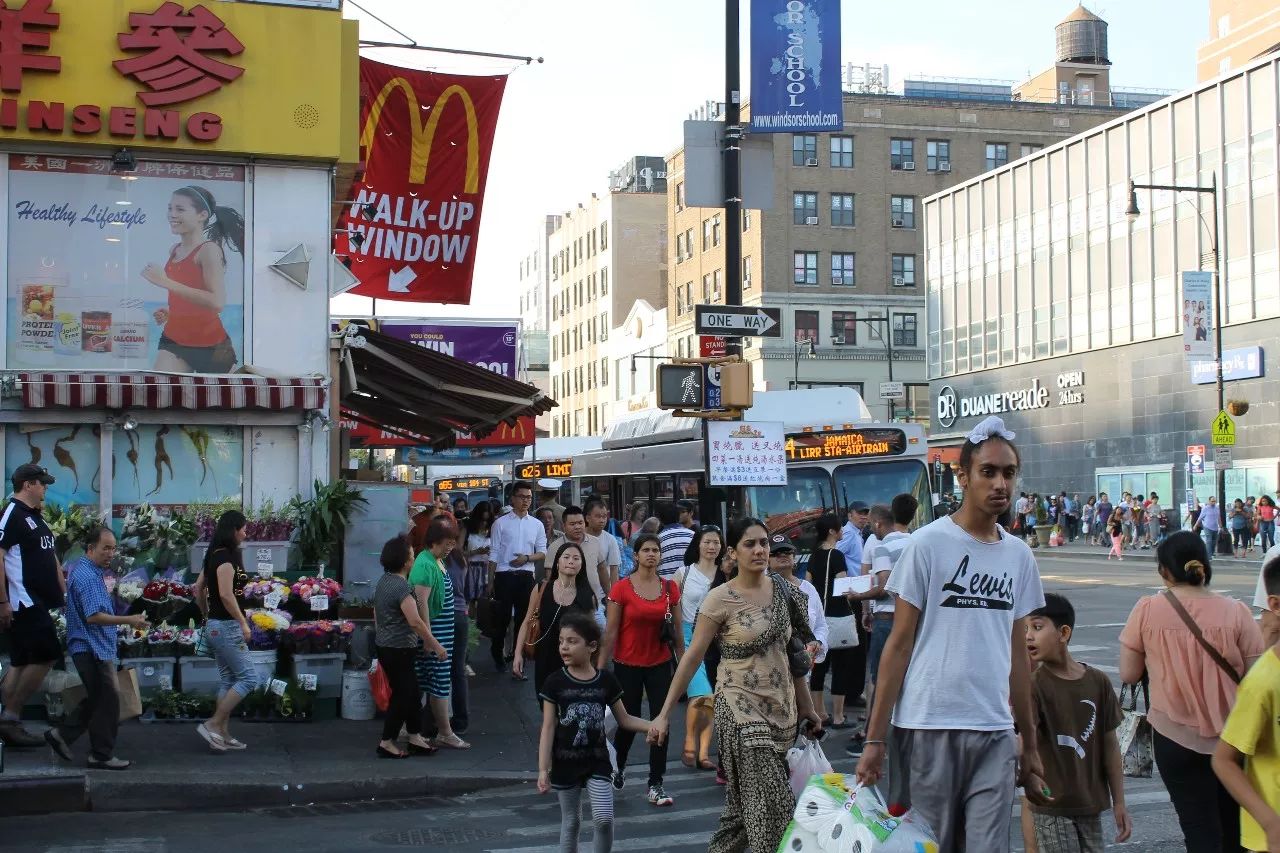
x=795, y=66
x=125, y=271
x=1197, y=315
x=488, y=345
x=411, y=230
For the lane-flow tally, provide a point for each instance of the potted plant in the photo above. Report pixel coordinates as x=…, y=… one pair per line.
x=355, y=608
x=1237, y=407
x=267, y=533
x=1043, y=531
x=322, y=520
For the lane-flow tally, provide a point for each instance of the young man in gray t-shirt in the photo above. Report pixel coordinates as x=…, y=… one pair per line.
x=956, y=660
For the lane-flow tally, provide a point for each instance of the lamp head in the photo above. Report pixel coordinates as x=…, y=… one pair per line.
x=1132, y=212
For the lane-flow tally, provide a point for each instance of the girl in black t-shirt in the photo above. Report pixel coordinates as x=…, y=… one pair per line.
x=573, y=751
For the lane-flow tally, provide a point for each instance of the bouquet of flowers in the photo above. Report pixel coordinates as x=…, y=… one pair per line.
x=186, y=641
x=132, y=642
x=138, y=533
x=300, y=633
x=262, y=641
x=257, y=591
x=162, y=599
x=304, y=588
x=156, y=592
x=161, y=639
x=60, y=623
x=269, y=620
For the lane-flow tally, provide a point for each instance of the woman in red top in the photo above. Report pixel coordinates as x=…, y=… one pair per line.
x=194, y=339
x=1267, y=522
x=642, y=662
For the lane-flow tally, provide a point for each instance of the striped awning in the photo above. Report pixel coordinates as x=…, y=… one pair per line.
x=169, y=391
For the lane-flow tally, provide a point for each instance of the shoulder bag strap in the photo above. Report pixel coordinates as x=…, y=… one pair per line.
x=1204, y=644
x=537, y=600
x=831, y=581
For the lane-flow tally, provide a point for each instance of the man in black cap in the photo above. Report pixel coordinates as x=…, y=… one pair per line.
x=31, y=583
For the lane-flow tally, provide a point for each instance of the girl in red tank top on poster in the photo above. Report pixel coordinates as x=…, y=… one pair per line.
x=194, y=339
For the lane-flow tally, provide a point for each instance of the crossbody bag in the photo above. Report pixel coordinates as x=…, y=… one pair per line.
x=842, y=631
x=1213, y=653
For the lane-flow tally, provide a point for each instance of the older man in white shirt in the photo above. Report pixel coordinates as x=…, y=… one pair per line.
x=517, y=544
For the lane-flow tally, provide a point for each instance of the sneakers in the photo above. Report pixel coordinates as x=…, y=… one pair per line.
x=659, y=797
x=15, y=735
x=619, y=779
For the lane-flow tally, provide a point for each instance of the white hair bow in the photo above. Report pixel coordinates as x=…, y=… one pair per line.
x=989, y=427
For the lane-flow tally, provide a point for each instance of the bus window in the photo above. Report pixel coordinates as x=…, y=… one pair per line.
x=880, y=482
x=663, y=489
x=688, y=488
x=806, y=489
x=639, y=490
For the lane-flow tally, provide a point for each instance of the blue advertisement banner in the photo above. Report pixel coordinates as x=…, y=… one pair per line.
x=795, y=66
x=1243, y=363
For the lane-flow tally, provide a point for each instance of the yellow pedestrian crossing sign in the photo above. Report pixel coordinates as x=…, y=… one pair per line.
x=1224, y=430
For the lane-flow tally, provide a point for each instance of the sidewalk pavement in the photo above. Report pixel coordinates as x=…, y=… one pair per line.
x=1081, y=549
x=289, y=763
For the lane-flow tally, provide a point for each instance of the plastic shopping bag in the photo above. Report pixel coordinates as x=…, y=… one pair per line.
x=380, y=686
x=831, y=818
x=805, y=760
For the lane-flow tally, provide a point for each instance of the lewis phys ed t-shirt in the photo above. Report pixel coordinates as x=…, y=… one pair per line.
x=969, y=593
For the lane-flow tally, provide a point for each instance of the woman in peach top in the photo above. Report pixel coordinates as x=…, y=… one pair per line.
x=1191, y=695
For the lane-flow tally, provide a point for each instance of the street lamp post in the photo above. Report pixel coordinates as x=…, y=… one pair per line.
x=1132, y=213
x=810, y=351
x=887, y=336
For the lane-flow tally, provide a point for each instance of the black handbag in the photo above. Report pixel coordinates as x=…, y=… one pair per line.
x=667, y=633
x=798, y=660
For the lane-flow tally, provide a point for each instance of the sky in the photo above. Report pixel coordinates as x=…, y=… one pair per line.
x=620, y=76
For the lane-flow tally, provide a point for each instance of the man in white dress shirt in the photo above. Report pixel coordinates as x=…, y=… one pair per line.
x=517, y=544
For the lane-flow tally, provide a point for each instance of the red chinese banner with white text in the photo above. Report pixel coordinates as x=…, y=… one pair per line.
x=412, y=225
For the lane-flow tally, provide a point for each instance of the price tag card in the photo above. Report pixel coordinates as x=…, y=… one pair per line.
x=278, y=686
x=319, y=602
x=272, y=601
x=264, y=555
x=266, y=570
x=166, y=682
x=308, y=681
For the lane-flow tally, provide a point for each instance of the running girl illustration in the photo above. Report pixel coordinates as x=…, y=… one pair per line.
x=194, y=339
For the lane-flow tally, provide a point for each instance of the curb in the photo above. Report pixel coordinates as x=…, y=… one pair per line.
x=35, y=795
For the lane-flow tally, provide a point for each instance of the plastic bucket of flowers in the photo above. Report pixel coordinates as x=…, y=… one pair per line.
x=185, y=643
x=161, y=641
x=307, y=595
x=343, y=631
x=132, y=642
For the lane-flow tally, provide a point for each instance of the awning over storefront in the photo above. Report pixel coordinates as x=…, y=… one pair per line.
x=169, y=391
x=412, y=390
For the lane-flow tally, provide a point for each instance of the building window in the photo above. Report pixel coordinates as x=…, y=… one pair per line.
x=679, y=248
x=842, y=269
x=806, y=267
x=804, y=208
x=680, y=195
x=997, y=155
x=706, y=288
x=592, y=280
x=844, y=328
x=604, y=236
x=904, y=330
x=804, y=149
x=716, y=290
x=746, y=273
x=604, y=274
x=841, y=152
x=842, y=209
x=746, y=219
x=555, y=306
x=688, y=298
x=902, y=210
x=939, y=155
x=604, y=372
x=604, y=327
x=706, y=234
x=1030, y=148
x=555, y=349
x=904, y=270
x=902, y=154
x=688, y=242
x=715, y=230
x=807, y=326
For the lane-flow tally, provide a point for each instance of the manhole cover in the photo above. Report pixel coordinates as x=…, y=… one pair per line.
x=435, y=837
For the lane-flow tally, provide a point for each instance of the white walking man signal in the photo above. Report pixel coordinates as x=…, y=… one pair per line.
x=689, y=389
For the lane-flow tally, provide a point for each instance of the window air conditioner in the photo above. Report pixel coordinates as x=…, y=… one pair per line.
x=944, y=166
x=838, y=340
x=837, y=279
x=811, y=220
x=899, y=281
x=811, y=161
x=908, y=166
x=897, y=223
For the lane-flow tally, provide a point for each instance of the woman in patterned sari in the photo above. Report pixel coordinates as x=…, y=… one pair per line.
x=758, y=702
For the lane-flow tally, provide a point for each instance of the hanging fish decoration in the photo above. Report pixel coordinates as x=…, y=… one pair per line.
x=162, y=460
x=93, y=484
x=200, y=441
x=132, y=456
x=35, y=451
x=64, y=457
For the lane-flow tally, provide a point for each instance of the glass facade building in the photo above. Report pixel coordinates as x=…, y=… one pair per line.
x=1034, y=274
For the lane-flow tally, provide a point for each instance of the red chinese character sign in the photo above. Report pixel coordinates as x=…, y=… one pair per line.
x=411, y=230
x=176, y=49
x=24, y=41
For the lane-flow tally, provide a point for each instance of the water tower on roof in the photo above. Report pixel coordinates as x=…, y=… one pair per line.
x=1082, y=37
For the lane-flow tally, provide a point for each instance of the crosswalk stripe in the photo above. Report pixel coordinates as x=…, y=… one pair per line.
x=661, y=842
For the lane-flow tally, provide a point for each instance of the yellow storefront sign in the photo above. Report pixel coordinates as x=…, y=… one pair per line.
x=229, y=78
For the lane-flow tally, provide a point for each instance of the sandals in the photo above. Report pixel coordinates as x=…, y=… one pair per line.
x=383, y=752
x=706, y=764
x=688, y=758
x=452, y=741
x=109, y=764
x=216, y=741
x=416, y=749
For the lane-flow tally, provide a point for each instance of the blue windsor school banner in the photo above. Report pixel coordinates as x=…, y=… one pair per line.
x=795, y=66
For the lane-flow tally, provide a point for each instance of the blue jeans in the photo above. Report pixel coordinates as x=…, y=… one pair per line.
x=1210, y=538
x=235, y=667
x=880, y=630
x=1267, y=529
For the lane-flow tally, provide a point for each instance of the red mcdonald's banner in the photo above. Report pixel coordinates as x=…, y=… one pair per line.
x=412, y=227
x=364, y=435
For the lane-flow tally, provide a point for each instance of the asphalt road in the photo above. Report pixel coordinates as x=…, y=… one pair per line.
x=518, y=819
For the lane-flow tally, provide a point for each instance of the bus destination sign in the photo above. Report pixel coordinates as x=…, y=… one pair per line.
x=555, y=469
x=464, y=483
x=845, y=444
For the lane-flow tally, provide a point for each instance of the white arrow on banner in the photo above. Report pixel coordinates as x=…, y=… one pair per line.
x=399, y=281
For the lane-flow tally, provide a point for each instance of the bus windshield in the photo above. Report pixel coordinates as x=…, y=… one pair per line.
x=806, y=488
x=880, y=482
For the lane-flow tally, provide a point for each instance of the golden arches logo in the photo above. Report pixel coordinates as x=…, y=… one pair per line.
x=424, y=133
x=512, y=432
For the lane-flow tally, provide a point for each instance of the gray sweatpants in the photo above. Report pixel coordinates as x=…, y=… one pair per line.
x=962, y=783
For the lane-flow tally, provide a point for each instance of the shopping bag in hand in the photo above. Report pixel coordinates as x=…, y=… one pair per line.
x=1134, y=735
x=380, y=686
x=805, y=760
x=831, y=818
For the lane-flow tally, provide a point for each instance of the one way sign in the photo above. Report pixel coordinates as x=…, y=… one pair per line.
x=738, y=321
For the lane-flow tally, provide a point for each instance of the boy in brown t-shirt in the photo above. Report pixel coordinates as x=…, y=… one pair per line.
x=1078, y=714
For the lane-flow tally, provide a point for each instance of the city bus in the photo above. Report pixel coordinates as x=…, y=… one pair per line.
x=836, y=454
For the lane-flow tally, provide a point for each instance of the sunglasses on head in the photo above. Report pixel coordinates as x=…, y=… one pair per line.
x=709, y=528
